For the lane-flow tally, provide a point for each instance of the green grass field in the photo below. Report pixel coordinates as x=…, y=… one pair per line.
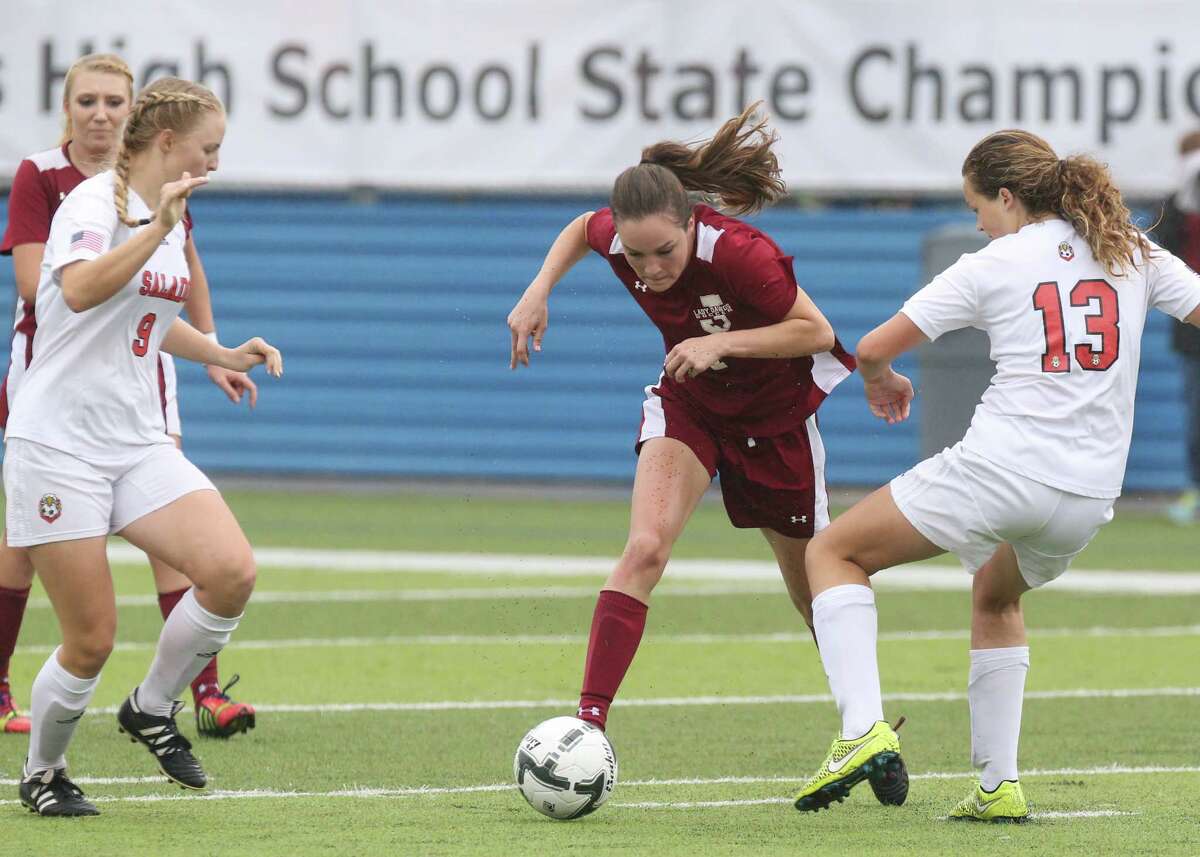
x=392, y=702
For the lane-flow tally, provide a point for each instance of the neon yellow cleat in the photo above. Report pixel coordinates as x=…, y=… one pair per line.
x=1005, y=804
x=850, y=762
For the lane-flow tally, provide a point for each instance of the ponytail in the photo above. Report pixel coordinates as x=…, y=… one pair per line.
x=1078, y=189
x=736, y=167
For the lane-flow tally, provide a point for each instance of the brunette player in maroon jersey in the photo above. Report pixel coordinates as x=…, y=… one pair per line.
x=97, y=95
x=749, y=359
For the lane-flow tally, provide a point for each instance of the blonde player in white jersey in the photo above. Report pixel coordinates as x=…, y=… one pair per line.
x=87, y=454
x=1062, y=292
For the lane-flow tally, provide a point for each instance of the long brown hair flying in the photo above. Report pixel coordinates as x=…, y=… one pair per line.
x=736, y=166
x=1078, y=189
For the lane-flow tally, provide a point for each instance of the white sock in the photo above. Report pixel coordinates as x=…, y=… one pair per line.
x=56, y=702
x=995, y=692
x=847, y=626
x=191, y=637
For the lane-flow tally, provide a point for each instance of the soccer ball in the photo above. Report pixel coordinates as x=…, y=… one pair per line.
x=565, y=767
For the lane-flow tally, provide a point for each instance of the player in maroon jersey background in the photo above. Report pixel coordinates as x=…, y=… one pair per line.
x=749, y=358
x=97, y=95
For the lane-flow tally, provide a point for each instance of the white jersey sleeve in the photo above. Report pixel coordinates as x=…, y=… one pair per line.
x=949, y=302
x=83, y=227
x=1173, y=287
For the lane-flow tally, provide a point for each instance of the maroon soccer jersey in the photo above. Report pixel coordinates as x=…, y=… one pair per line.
x=738, y=279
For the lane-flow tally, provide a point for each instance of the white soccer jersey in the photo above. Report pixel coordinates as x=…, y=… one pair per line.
x=92, y=389
x=1066, y=338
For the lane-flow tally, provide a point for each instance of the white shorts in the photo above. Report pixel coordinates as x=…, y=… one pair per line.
x=969, y=506
x=53, y=496
x=168, y=387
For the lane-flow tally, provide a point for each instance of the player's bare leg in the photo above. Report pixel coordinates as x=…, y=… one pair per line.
x=667, y=487
x=840, y=559
x=16, y=578
x=217, y=715
x=77, y=579
x=996, y=689
x=789, y=553
x=198, y=535
x=670, y=481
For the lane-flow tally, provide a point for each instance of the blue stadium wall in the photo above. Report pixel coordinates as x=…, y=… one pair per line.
x=391, y=316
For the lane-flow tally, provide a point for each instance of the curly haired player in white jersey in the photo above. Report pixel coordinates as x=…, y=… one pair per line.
x=1062, y=291
x=86, y=454
x=97, y=96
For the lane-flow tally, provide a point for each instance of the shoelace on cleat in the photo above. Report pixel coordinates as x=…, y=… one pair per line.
x=223, y=692
x=168, y=739
x=54, y=782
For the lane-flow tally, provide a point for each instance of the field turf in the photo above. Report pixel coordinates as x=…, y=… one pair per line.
x=392, y=700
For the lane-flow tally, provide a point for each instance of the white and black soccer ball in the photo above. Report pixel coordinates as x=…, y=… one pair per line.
x=565, y=767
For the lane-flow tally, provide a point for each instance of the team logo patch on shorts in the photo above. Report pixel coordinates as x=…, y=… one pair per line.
x=1066, y=252
x=50, y=508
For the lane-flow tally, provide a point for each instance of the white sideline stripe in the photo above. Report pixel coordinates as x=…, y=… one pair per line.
x=718, y=804
x=917, y=576
x=494, y=593
x=686, y=639
x=99, y=781
x=692, y=701
x=418, y=791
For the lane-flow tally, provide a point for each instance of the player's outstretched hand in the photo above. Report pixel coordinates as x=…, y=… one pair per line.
x=889, y=397
x=254, y=351
x=530, y=317
x=693, y=356
x=233, y=384
x=172, y=200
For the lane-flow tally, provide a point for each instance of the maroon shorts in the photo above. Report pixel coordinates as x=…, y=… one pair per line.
x=774, y=482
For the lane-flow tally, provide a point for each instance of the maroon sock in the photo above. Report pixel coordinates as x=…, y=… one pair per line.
x=617, y=627
x=12, y=611
x=207, y=680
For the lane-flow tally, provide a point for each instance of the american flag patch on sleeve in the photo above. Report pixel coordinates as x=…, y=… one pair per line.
x=85, y=240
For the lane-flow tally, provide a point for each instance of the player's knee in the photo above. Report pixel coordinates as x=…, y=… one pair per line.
x=646, y=554
x=232, y=576
x=84, y=653
x=988, y=600
x=821, y=550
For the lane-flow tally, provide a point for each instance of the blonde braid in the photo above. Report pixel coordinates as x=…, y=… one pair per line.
x=169, y=103
x=121, y=188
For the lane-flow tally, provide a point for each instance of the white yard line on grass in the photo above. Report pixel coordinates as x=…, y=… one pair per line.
x=1099, y=632
x=692, y=701
x=430, y=791
x=909, y=577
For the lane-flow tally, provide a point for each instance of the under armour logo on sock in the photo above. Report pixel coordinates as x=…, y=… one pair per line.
x=594, y=711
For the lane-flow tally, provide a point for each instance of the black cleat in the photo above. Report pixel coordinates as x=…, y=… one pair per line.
x=890, y=780
x=51, y=794
x=161, y=736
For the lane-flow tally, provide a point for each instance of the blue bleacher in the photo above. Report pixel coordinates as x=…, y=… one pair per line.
x=391, y=316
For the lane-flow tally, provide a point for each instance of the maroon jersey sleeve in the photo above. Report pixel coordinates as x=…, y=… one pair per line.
x=601, y=231
x=188, y=224
x=28, y=209
x=761, y=276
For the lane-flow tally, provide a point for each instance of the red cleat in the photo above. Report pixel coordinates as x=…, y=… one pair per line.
x=218, y=716
x=13, y=721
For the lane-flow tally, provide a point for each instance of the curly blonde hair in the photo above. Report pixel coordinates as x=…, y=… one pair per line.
x=1078, y=189
x=168, y=103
